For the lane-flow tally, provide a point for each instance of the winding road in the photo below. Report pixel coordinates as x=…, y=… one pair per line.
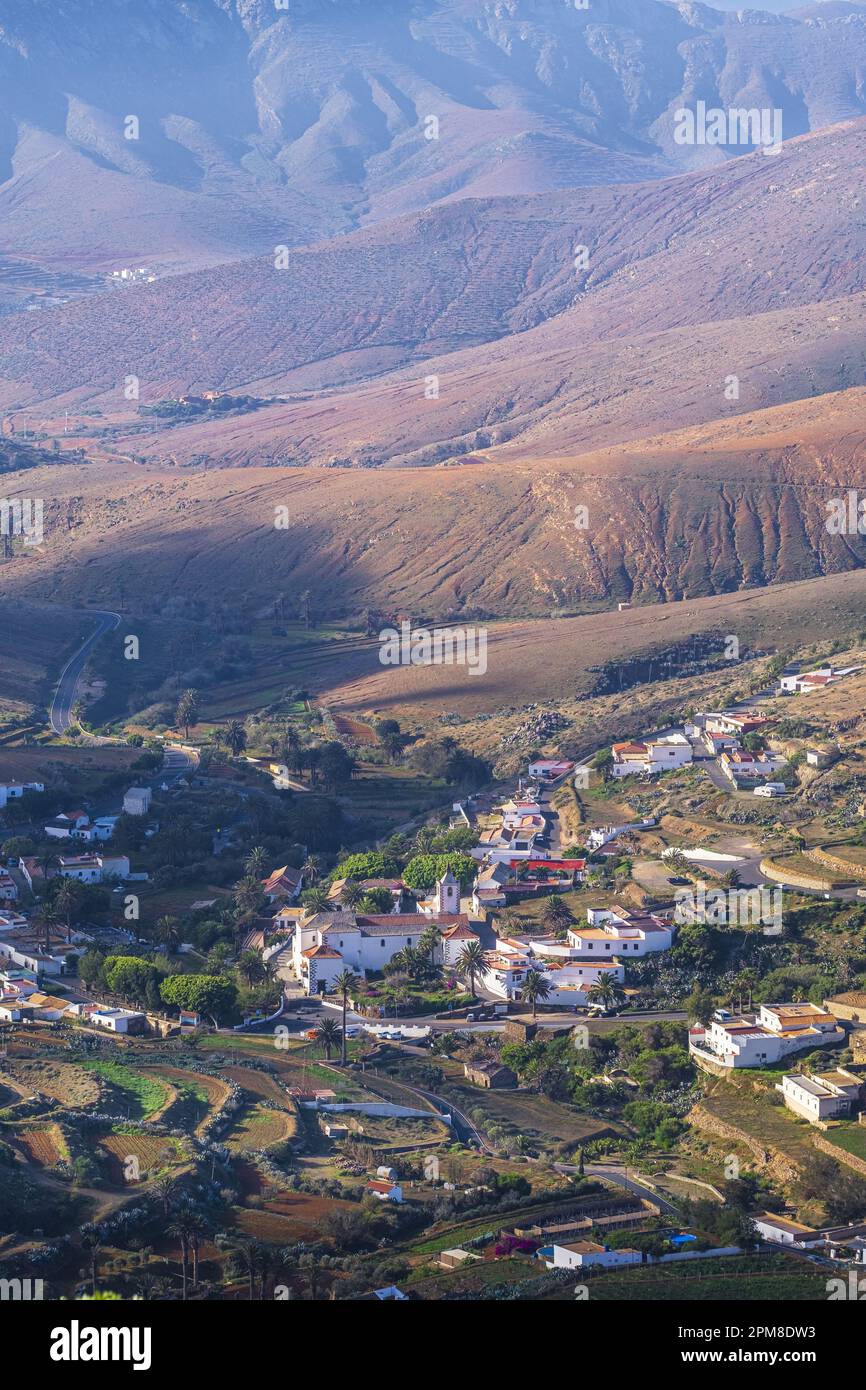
x=64, y=696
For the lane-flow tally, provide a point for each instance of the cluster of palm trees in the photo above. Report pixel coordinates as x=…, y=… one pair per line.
x=233, y=737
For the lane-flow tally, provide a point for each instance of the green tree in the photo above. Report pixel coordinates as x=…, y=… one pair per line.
x=129, y=976
x=606, y=991
x=67, y=899
x=315, y=900
x=369, y=864
x=236, y=738
x=329, y=1035
x=187, y=711
x=424, y=870
x=214, y=996
x=344, y=984
x=534, y=987
x=555, y=914
x=473, y=960
x=254, y=864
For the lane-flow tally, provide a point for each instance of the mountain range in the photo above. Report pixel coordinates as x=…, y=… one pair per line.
x=447, y=346
x=180, y=133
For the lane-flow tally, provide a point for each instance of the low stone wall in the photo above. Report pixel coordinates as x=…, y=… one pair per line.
x=780, y=1165
x=841, y=1155
x=846, y=867
x=794, y=877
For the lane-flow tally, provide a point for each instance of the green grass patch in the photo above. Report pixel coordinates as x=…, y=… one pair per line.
x=144, y=1094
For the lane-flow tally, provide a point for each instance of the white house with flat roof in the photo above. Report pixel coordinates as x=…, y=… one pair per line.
x=784, y=1230
x=823, y=1097
x=580, y=1254
x=758, y=1040
x=620, y=932
x=651, y=756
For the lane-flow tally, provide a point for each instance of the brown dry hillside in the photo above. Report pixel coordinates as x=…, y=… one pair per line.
x=263, y=124
x=755, y=268
x=554, y=660
x=686, y=514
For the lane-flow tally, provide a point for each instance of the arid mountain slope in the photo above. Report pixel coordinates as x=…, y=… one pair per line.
x=687, y=514
x=486, y=295
x=315, y=118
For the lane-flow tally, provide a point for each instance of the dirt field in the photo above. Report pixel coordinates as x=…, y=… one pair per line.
x=153, y=1151
x=290, y=1217
x=259, y=1128
x=42, y=1145
x=258, y=1083
x=61, y=1081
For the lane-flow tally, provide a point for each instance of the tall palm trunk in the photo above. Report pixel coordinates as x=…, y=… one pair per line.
x=343, y=1035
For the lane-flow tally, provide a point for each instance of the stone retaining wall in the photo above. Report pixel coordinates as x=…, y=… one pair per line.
x=796, y=878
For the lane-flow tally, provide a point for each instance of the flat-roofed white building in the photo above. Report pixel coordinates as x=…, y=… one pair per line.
x=784, y=1230
x=757, y=1040
x=622, y=932
x=580, y=1254
x=822, y=1097
x=651, y=756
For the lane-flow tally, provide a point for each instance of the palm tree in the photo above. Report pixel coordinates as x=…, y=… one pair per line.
x=534, y=987
x=66, y=900
x=187, y=710
x=181, y=1229
x=246, y=1254
x=423, y=840
x=47, y=860
x=328, y=1034
x=676, y=860
x=312, y=870
x=352, y=892
x=291, y=747
x=429, y=942
x=50, y=918
x=606, y=991
x=555, y=914
x=344, y=982
x=167, y=932
x=90, y=1243
x=252, y=967
x=315, y=900
x=164, y=1189
x=198, y=1226
x=473, y=960
x=236, y=737
x=254, y=864
x=744, y=984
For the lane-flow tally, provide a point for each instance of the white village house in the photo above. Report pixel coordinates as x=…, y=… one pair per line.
x=651, y=756
x=754, y=1040
x=623, y=930
x=822, y=1097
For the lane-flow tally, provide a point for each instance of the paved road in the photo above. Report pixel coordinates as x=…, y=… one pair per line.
x=64, y=697
x=618, y=1175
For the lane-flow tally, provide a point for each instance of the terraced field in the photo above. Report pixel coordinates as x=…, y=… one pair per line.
x=68, y=1085
x=42, y=1145
x=260, y=1128
x=289, y=1217
x=143, y=1094
x=195, y=1096
x=152, y=1152
x=258, y=1083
